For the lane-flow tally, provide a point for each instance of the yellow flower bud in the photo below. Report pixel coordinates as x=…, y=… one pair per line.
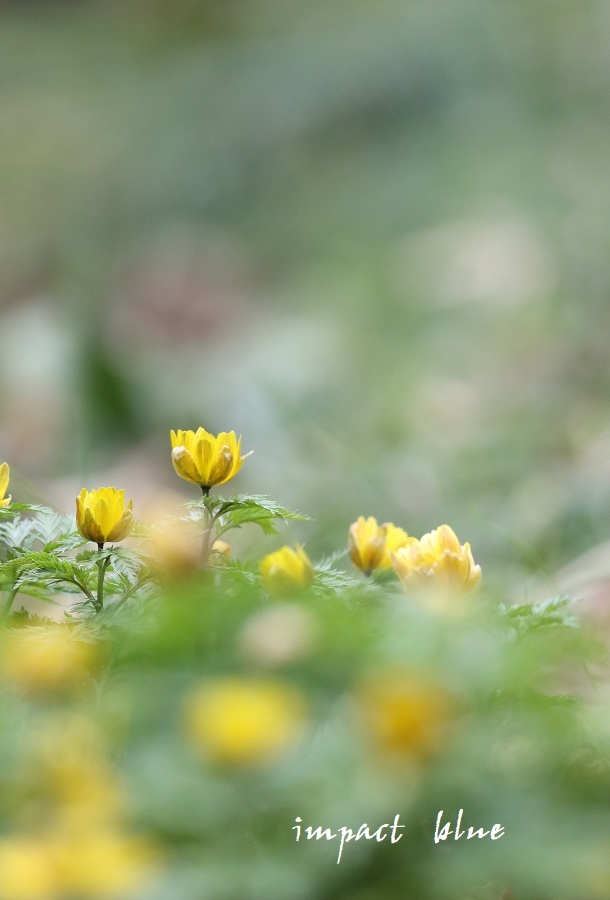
x=286, y=570
x=438, y=562
x=204, y=459
x=5, y=474
x=243, y=722
x=369, y=544
x=103, y=516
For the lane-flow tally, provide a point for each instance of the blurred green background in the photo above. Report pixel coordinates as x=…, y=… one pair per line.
x=370, y=236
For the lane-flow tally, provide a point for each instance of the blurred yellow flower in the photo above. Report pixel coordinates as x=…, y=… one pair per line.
x=405, y=713
x=45, y=659
x=204, y=459
x=438, y=561
x=27, y=869
x=369, y=544
x=244, y=722
x=102, y=515
x=92, y=863
x=101, y=862
x=285, y=570
x=5, y=474
x=173, y=549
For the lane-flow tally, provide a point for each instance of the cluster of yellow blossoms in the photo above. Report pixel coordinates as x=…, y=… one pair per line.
x=233, y=720
x=197, y=456
x=70, y=836
x=437, y=560
x=434, y=564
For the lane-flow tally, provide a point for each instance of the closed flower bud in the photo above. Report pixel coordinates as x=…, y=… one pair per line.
x=286, y=570
x=437, y=562
x=237, y=721
x=204, y=459
x=369, y=544
x=5, y=474
x=103, y=516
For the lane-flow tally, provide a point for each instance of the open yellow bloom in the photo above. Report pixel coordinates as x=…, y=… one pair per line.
x=5, y=474
x=204, y=459
x=244, y=722
x=285, y=570
x=369, y=544
x=103, y=516
x=437, y=561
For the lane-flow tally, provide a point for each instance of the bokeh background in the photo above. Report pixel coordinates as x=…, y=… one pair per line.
x=371, y=236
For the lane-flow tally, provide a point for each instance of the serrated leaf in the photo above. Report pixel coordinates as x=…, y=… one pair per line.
x=546, y=614
x=257, y=510
x=45, y=530
x=328, y=563
x=50, y=571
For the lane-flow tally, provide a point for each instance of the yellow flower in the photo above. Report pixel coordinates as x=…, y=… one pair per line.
x=103, y=516
x=286, y=570
x=243, y=722
x=369, y=544
x=5, y=474
x=83, y=863
x=101, y=862
x=405, y=713
x=27, y=869
x=49, y=659
x=438, y=561
x=206, y=460
x=173, y=549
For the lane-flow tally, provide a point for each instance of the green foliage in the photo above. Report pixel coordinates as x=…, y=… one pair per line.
x=246, y=510
x=553, y=613
x=523, y=743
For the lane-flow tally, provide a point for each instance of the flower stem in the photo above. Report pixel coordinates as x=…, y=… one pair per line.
x=102, y=565
x=6, y=610
x=208, y=524
x=207, y=538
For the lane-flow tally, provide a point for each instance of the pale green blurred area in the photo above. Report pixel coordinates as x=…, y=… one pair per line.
x=370, y=236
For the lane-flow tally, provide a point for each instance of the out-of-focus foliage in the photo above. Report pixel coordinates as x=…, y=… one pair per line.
x=171, y=732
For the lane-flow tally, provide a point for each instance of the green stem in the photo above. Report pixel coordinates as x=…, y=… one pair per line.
x=6, y=610
x=131, y=592
x=208, y=523
x=102, y=565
